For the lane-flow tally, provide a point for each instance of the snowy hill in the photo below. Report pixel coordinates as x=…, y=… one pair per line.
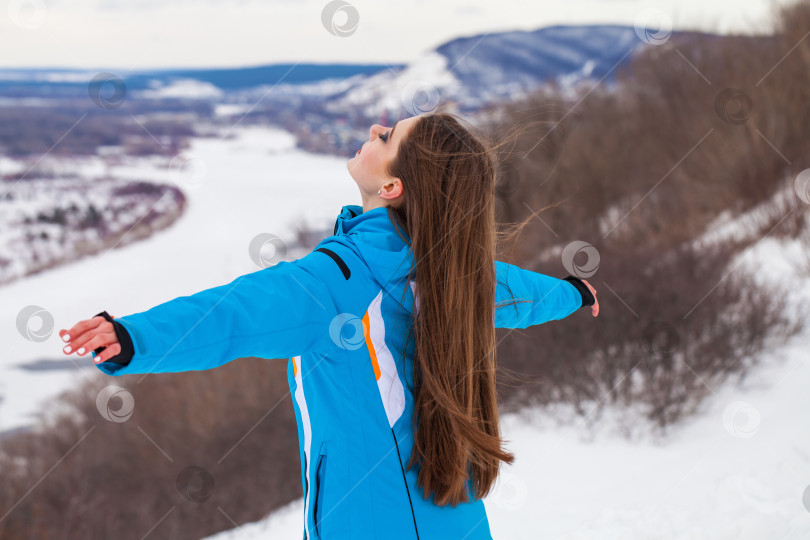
x=515, y=61
x=482, y=69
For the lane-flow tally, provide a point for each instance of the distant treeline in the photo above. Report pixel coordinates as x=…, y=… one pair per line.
x=79, y=129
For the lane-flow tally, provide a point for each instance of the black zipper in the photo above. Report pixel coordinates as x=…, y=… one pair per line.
x=405, y=481
x=320, y=480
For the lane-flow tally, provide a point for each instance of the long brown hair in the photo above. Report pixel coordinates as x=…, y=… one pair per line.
x=448, y=210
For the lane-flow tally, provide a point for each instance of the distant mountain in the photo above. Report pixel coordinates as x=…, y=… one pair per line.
x=479, y=68
x=337, y=102
x=525, y=59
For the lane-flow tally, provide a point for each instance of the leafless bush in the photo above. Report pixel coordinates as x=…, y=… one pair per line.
x=700, y=126
x=666, y=336
x=83, y=476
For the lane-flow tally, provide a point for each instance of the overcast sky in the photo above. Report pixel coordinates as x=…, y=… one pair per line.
x=132, y=34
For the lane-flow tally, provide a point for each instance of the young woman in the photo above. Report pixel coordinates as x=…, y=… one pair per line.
x=388, y=327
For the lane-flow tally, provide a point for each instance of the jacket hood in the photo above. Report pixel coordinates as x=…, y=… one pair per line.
x=378, y=241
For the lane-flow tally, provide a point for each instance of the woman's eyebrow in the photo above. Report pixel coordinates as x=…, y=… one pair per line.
x=391, y=135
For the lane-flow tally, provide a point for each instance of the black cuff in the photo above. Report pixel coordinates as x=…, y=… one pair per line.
x=127, y=350
x=587, y=296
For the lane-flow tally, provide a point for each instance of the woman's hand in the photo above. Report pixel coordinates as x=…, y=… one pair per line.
x=595, y=306
x=90, y=334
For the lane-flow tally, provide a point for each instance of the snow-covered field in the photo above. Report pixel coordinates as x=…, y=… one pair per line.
x=738, y=470
x=237, y=188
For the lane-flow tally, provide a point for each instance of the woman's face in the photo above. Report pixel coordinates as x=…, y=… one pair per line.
x=367, y=167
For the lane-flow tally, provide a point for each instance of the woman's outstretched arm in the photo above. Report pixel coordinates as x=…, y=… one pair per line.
x=276, y=312
x=537, y=298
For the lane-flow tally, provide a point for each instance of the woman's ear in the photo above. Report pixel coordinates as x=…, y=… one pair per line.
x=395, y=191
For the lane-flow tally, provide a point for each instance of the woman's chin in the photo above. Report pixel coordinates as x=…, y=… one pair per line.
x=349, y=167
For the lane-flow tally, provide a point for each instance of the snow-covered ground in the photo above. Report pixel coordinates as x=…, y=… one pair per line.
x=238, y=188
x=738, y=470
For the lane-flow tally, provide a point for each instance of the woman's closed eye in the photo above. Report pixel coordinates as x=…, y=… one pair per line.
x=384, y=136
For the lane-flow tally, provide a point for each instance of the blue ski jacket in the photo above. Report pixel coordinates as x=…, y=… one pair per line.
x=339, y=317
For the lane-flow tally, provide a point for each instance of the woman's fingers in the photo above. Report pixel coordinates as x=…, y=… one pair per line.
x=88, y=335
x=100, y=339
x=108, y=353
x=80, y=328
x=100, y=336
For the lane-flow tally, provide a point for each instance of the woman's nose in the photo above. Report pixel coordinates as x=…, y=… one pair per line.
x=375, y=128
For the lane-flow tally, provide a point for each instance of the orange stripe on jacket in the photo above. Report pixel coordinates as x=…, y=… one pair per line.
x=371, y=352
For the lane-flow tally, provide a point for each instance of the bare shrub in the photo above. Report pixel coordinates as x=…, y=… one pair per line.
x=701, y=126
x=666, y=336
x=83, y=476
